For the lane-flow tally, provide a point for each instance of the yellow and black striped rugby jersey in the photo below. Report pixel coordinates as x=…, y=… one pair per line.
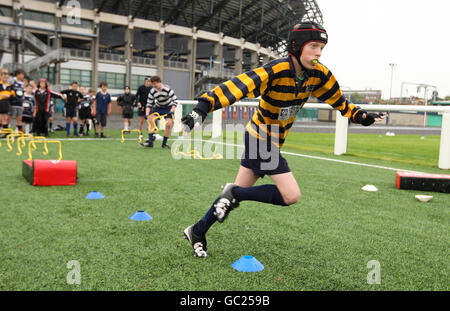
x=6, y=92
x=282, y=96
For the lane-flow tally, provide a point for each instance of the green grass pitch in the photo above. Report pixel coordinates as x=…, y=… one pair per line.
x=323, y=242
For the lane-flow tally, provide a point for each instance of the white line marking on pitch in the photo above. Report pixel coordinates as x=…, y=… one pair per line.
x=241, y=146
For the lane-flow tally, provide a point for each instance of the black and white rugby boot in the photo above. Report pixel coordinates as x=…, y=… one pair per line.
x=227, y=202
x=147, y=144
x=197, y=243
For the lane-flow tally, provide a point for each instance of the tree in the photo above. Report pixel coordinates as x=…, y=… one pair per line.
x=356, y=97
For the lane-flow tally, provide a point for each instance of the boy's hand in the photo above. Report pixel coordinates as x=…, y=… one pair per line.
x=194, y=119
x=366, y=119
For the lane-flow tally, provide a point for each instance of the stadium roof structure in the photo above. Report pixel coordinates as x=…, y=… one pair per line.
x=266, y=22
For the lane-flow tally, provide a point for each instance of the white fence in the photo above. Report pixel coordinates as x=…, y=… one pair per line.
x=341, y=132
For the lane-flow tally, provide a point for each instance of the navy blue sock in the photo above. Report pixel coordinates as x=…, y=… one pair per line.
x=203, y=225
x=75, y=128
x=68, y=128
x=263, y=193
x=150, y=138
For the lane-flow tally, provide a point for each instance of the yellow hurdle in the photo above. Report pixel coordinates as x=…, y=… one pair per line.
x=33, y=142
x=158, y=117
x=10, y=139
x=193, y=153
x=21, y=143
x=136, y=130
x=6, y=131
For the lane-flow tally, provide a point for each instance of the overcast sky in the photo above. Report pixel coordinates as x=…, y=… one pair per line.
x=365, y=36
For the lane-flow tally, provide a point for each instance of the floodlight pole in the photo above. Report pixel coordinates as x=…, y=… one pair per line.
x=392, y=75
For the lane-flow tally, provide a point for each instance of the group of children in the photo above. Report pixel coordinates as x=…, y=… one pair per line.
x=16, y=100
x=32, y=105
x=82, y=104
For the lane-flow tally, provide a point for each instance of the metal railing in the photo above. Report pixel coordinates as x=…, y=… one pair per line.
x=144, y=60
x=175, y=64
x=4, y=41
x=111, y=57
x=31, y=41
x=55, y=56
x=76, y=53
x=225, y=74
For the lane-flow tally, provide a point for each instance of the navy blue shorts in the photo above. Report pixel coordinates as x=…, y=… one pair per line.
x=163, y=111
x=71, y=112
x=262, y=157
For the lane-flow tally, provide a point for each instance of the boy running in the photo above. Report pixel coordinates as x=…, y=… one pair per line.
x=162, y=100
x=284, y=86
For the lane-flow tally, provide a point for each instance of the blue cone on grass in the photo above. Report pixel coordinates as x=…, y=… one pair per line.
x=94, y=195
x=248, y=264
x=140, y=215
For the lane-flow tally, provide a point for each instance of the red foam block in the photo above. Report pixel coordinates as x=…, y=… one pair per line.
x=423, y=181
x=50, y=172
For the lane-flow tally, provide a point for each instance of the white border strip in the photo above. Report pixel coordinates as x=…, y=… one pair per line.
x=309, y=156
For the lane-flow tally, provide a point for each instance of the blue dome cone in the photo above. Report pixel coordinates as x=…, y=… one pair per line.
x=248, y=264
x=94, y=195
x=140, y=215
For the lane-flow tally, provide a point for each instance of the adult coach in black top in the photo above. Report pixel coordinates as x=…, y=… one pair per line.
x=126, y=101
x=141, y=99
x=73, y=98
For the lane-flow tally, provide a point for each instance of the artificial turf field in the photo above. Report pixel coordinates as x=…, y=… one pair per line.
x=323, y=242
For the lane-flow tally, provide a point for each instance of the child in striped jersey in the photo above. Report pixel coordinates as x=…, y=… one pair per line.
x=284, y=86
x=162, y=100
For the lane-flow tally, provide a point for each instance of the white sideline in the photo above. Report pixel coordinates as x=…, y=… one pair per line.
x=309, y=156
